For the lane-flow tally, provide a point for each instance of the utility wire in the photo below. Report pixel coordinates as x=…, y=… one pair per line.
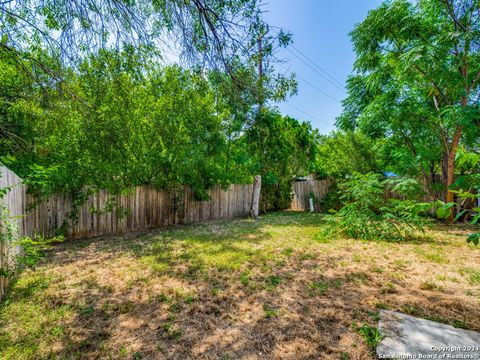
x=334, y=83
x=326, y=74
x=312, y=65
x=312, y=85
x=312, y=118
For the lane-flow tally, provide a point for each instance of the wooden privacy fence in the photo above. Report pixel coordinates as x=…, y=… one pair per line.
x=144, y=208
x=13, y=201
x=302, y=191
x=103, y=214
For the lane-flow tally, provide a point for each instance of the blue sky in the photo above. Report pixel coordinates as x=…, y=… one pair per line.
x=320, y=31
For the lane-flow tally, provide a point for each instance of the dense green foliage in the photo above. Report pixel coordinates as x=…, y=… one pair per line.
x=415, y=86
x=467, y=188
x=342, y=153
x=8, y=231
x=122, y=120
x=413, y=109
x=84, y=106
x=114, y=118
x=367, y=214
x=281, y=149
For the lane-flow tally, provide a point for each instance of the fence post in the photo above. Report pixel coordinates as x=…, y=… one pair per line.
x=257, y=185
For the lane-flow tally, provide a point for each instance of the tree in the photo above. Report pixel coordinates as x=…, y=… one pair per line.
x=467, y=187
x=214, y=33
x=16, y=107
x=417, y=73
x=48, y=39
x=367, y=214
x=340, y=154
x=280, y=148
x=136, y=122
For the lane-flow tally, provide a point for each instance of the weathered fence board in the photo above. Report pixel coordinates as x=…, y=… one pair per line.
x=14, y=201
x=302, y=190
x=144, y=208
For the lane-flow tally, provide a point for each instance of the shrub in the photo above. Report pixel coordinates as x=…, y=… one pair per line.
x=331, y=201
x=446, y=211
x=276, y=195
x=467, y=189
x=367, y=214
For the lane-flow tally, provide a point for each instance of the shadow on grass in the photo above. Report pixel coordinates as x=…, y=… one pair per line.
x=213, y=291
x=225, y=232
x=301, y=318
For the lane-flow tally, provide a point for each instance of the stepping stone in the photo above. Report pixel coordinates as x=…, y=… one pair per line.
x=407, y=337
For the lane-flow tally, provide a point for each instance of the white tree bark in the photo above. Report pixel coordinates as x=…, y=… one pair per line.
x=257, y=185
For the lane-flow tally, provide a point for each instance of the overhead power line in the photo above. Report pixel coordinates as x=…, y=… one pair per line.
x=315, y=70
x=321, y=71
x=315, y=67
x=312, y=85
x=317, y=88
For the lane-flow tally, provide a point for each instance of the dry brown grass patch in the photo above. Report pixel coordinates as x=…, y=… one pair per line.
x=236, y=289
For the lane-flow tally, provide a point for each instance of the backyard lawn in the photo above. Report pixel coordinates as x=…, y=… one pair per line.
x=268, y=289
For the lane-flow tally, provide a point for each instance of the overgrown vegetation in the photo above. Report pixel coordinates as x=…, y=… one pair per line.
x=8, y=234
x=466, y=188
x=367, y=213
x=108, y=113
x=135, y=122
x=414, y=88
x=89, y=100
x=413, y=110
x=18, y=252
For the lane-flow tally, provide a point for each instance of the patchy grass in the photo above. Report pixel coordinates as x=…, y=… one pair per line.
x=269, y=312
x=472, y=274
x=267, y=289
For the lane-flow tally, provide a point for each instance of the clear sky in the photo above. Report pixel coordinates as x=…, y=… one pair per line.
x=320, y=31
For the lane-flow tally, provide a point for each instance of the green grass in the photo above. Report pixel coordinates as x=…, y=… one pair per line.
x=269, y=312
x=438, y=258
x=431, y=286
x=320, y=287
x=388, y=288
x=237, y=280
x=245, y=278
x=29, y=322
x=472, y=274
x=272, y=282
x=370, y=334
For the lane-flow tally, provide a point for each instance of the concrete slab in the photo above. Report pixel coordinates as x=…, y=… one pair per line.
x=407, y=337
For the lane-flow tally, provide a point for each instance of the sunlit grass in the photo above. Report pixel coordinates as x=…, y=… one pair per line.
x=90, y=296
